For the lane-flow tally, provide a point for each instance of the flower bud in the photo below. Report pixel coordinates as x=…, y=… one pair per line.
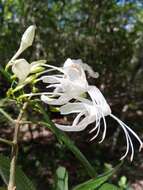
x=37, y=69
x=28, y=37
x=26, y=41
x=36, y=66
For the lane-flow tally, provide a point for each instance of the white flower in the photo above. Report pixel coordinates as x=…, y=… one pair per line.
x=26, y=41
x=93, y=111
x=21, y=68
x=71, y=83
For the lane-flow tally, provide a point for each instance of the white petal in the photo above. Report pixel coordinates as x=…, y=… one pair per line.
x=90, y=71
x=73, y=128
x=85, y=122
x=72, y=108
x=68, y=63
x=51, y=79
x=66, y=127
x=63, y=99
x=77, y=118
x=21, y=68
x=99, y=99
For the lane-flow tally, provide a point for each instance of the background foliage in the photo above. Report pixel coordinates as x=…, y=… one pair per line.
x=108, y=35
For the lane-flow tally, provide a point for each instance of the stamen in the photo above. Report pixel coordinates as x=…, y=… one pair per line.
x=127, y=141
x=128, y=138
x=132, y=149
x=46, y=71
x=96, y=133
x=53, y=86
x=105, y=128
x=54, y=67
x=135, y=135
x=97, y=122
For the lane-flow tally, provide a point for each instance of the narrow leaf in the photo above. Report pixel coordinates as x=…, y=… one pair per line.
x=108, y=186
x=96, y=182
x=22, y=181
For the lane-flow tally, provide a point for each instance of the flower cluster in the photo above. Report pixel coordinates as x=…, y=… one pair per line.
x=70, y=83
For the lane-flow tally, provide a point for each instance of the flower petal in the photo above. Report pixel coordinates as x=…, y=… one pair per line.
x=60, y=101
x=98, y=98
x=66, y=127
x=72, y=108
x=21, y=68
x=51, y=79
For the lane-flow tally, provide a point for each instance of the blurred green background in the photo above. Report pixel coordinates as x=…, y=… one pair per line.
x=106, y=34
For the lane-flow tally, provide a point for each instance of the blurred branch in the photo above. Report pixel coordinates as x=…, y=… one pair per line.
x=7, y=115
x=6, y=141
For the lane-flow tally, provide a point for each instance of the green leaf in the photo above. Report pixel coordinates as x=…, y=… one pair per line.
x=5, y=74
x=61, y=179
x=96, y=182
x=22, y=181
x=3, y=188
x=108, y=186
x=62, y=137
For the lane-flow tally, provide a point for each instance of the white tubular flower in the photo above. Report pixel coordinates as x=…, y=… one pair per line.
x=71, y=83
x=26, y=41
x=93, y=111
x=21, y=68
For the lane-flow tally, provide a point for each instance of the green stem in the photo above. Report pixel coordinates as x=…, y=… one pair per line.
x=11, y=184
x=6, y=141
x=7, y=115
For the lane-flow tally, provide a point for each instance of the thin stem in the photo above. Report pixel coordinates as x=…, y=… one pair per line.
x=6, y=141
x=11, y=184
x=7, y=115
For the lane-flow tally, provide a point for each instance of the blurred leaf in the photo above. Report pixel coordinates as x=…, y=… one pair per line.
x=22, y=181
x=61, y=179
x=123, y=182
x=108, y=186
x=95, y=183
x=5, y=74
x=69, y=143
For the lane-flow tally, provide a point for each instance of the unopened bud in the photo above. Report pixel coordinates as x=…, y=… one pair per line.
x=37, y=69
x=28, y=37
x=36, y=66
x=26, y=41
